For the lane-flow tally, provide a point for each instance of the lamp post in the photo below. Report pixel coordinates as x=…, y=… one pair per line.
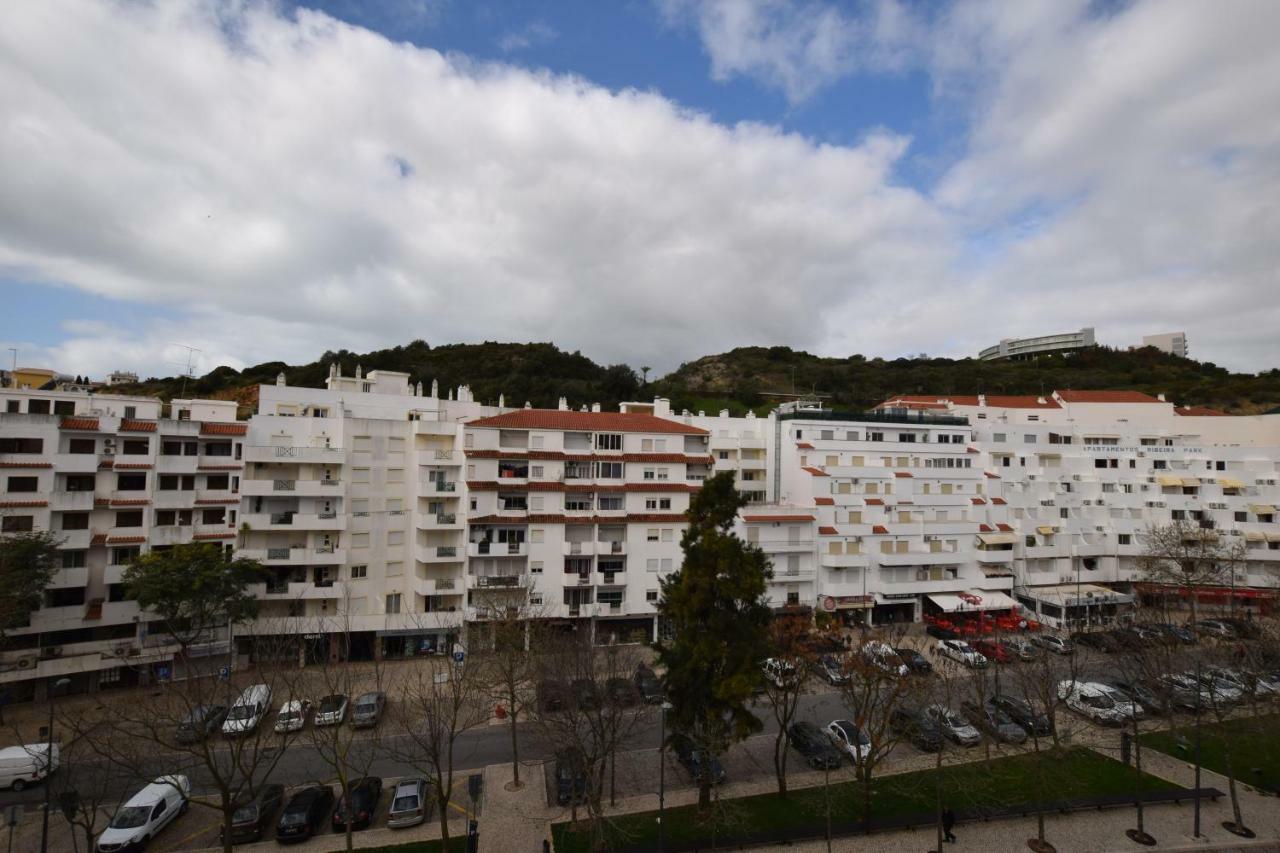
x=662, y=776
x=53, y=688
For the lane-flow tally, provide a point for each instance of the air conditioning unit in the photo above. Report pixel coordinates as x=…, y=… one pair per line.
x=27, y=662
x=121, y=650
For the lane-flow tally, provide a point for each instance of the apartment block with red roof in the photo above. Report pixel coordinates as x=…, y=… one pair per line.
x=112, y=477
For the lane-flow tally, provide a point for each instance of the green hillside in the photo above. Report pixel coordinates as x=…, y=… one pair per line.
x=743, y=378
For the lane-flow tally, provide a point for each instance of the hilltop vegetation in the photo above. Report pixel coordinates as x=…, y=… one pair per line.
x=743, y=378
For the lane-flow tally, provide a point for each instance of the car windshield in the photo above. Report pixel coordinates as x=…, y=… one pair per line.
x=956, y=721
x=289, y=715
x=1000, y=717
x=298, y=815
x=331, y=703
x=407, y=802
x=245, y=814
x=131, y=817
x=240, y=712
x=1099, y=701
x=366, y=708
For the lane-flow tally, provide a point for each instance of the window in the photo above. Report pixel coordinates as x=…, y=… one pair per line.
x=13, y=407
x=82, y=445
x=649, y=473
x=395, y=475
x=608, y=441
x=1064, y=512
x=166, y=517
x=21, y=445
x=537, y=535
x=23, y=484
x=359, y=475
x=122, y=556
x=75, y=521
x=666, y=564
x=577, y=503
x=1029, y=438
x=1125, y=538
x=131, y=482
x=875, y=436
x=657, y=503
x=1242, y=516
x=359, y=573
x=535, y=567
x=217, y=482
x=129, y=518
x=651, y=595
x=998, y=437
x=666, y=534
x=652, y=534
x=722, y=454
x=73, y=559
x=17, y=524
x=359, y=540
x=536, y=471
x=37, y=407
x=393, y=603
x=610, y=502
x=135, y=446
x=214, y=515
x=609, y=470
x=651, y=564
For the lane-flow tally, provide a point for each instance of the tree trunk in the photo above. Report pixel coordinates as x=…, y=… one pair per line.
x=937, y=795
x=442, y=801
x=228, y=812
x=1236, y=817
x=515, y=745
x=704, y=789
x=780, y=760
x=865, y=773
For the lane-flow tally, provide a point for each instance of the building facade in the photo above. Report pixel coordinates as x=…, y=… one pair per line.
x=1018, y=348
x=1174, y=343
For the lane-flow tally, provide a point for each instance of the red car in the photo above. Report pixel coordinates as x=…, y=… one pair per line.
x=993, y=651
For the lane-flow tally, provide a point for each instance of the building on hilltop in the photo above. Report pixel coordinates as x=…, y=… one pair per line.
x=1174, y=343
x=1023, y=348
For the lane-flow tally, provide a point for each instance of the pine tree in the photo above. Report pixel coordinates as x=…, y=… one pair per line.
x=715, y=610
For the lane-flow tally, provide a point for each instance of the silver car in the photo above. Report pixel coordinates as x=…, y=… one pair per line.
x=368, y=709
x=409, y=805
x=994, y=722
x=954, y=725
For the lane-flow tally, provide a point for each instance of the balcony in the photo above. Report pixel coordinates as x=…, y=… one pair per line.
x=221, y=495
x=74, y=539
x=576, y=549
x=173, y=499
x=1004, y=558
x=66, y=578
x=497, y=581
x=437, y=553
x=607, y=546
x=297, y=591
x=497, y=549
x=845, y=561
x=783, y=546
x=291, y=487
x=71, y=501
x=439, y=520
x=273, y=453
x=438, y=487
x=922, y=558
x=297, y=555
x=75, y=463
x=797, y=576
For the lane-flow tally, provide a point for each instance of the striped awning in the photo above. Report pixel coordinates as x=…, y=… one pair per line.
x=1262, y=509
x=1230, y=483
x=1046, y=530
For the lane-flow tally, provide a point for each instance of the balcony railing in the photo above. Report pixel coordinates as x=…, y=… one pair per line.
x=446, y=518
x=447, y=551
x=282, y=518
x=277, y=553
x=326, y=515
x=444, y=454
x=444, y=583
x=497, y=580
x=284, y=485
x=324, y=549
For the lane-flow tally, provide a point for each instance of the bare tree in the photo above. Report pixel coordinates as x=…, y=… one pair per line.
x=786, y=679
x=439, y=700
x=1186, y=556
x=84, y=789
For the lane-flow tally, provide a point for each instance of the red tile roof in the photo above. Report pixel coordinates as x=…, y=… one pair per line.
x=873, y=502
x=764, y=519
x=1005, y=527
x=999, y=501
x=130, y=502
x=977, y=500
x=1105, y=397
x=230, y=534
x=131, y=425
x=207, y=428
x=804, y=445
x=1200, y=412
x=824, y=501
x=236, y=467
x=817, y=472
x=879, y=528
x=555, y=419
x=132, y=466
x=126, y=540
x=26, y=464
x=999, y=401
x=828, y=531
x=98, y=539
x=990, y=476
x=903, y=474
x=22, y=504
x=985, y=528
x=79, y=423
x=217, y=501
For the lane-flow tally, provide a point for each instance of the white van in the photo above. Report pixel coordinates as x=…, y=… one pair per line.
x=145, y=814
x=21, y=766
x=248, y=710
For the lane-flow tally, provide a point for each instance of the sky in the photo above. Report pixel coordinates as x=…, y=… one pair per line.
x=646, y=181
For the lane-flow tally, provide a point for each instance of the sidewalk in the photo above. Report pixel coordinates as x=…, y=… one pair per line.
x=515, y=821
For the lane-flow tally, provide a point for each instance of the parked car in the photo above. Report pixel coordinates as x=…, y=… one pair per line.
x=358, y=804
x=253, y=816
x=1130, y=638
x=883, y=658
x=1033, y=722
x=247, y=711
x=409, y=804
x=1246, y=628
x=585, y=693
x=996, y=723
x=1021, y=648
x=954, y=726
x=816, y=747
x=1183, y=691
x=368, y=709
x=571, y=776
x=1053, y=643
x=777, y=672
x=304, y=813
x=1249, y=684
x=553, y=695
x=144, y=814
x=1101, y=641
x=1092, y=700
x=915, y=662
x=993, y=651
x=293, y=716
x=332, y=710
x=850, y=739
x=941, y=633
x=1222, y=691
x=915, y=725
x=1150, y=701
x=1216, y=628
x=961, y=652
x=692, y=759
x=649, y=685
x=200, y=722
x=830, y=669
x=1175, y=633
x=28, y=764
x=621, y=692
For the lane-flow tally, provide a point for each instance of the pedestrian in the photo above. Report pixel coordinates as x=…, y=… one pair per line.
x=948, y=822
x=546, y=846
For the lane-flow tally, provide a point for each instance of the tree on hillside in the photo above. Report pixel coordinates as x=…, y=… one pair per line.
x=715, y=609
x=1183, y=556
x=195, y=589
x=27, y=563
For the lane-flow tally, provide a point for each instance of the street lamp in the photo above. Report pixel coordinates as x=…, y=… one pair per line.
x=60, y=684
x=662, y=776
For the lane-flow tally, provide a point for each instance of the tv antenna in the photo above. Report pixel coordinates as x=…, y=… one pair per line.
x=188, y=371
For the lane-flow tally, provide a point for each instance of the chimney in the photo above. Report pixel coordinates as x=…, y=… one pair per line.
x=417, y=390
x=702, y=413
x=982, y=400
x=359, y=372
x=528, y=405
x=1041, y=400
x=584, y=408
x=724, y=413
x=502, y=401
x=435, y=389
x=595, y=407
x=1160, y=397
x=280, y=379
x=563, y=405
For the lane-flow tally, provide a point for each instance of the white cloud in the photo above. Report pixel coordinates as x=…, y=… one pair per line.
x=798, y=47
x=532, y=35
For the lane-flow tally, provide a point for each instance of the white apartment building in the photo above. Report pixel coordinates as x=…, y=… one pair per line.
x=1174, y=343
x=1058, y=342
x=111, y=476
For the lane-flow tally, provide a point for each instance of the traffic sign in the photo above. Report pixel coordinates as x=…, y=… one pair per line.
x=224, y=673
x=459, y=657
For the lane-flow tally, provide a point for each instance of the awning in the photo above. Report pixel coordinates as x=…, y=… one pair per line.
x=1255, y=536
x=1193, y=482
x=1169, y=480
x=1230, y=483
x=997, y=538
x=973, y=600
x=996, y=571
x=1068, y=594
x=846, y=602
x=1273, y=537
x=1262, y=509
x=1046, y=530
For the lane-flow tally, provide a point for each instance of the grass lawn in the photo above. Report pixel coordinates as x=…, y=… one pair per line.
x=1005, y=781
x=1254, y=742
